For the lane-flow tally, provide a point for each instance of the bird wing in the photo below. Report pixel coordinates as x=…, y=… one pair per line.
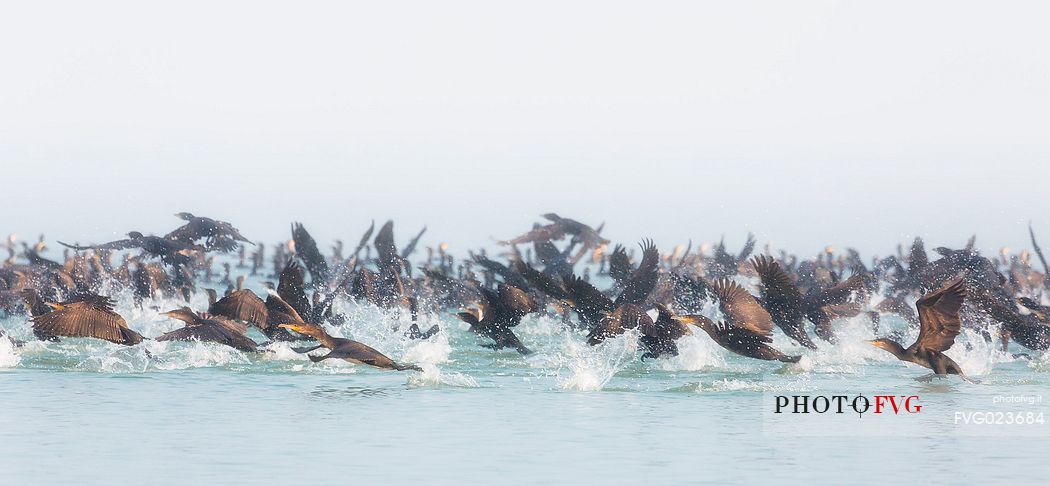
x=229, y=325
x=82, y=319
x=745, y=336
x=411, y=246
x=206, y=332
x=586, y=299
x=741, y=309
x=1038, y=251
x=306, y=248
x=541, y=281
x=553, y=231
x=187, y=232
x=113, y=245
x=917, y=259
x=840, y=292
x=280, y=312
x=241, y=305
x=749, y=246
x=777, y=288
x=364, y=238
x=637, y=288
x=939, y=317
x=619, y=264
x=291, y=287
x=384, y=243
x=516, y=300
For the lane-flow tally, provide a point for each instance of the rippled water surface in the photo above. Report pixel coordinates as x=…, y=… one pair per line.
x=85, y=411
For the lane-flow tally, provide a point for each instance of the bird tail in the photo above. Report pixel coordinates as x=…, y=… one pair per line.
x=317, y=359
x=789, y=359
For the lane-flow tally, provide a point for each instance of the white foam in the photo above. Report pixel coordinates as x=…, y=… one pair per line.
x=433, y=377
x=974, y=354
x=177, y=355
x=695, y=352
x=589, y=368
x=8, y=357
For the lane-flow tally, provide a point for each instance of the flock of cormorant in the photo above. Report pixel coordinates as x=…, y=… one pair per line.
x=662, y=295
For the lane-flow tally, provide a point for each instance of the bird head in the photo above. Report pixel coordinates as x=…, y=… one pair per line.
x=304, y=328
x=696, y=320
x=888, y=345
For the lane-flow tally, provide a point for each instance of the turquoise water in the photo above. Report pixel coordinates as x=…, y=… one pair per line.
x=89, y=412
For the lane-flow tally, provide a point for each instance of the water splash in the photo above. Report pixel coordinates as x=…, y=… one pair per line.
x=975, y=355
x=433, y=377
x=115, y=358
x=802, y=384
x=178, y=355
x=8, y=357
x=589, y=368
x=696, y=352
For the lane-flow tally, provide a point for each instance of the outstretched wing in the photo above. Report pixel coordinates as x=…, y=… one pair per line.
x=541, y=281
x=917, y=259
x=291, y=288
x=1038, y=251
x=840, y=292
x=411, y=246
x=83, y=319
x=939, y=317
x=386, y=251
x=364, y=238
x=586, y=299
x=619, y=264
x=741, y=309
x=749, y=246
x=637, y=288
x=241, y=305
x=777, y=288
x=306, y=248
x=113, y=245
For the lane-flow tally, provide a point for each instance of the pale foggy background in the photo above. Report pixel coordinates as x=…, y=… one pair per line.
x=807, y=122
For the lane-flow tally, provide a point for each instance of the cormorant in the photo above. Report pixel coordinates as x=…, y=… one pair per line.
x=497, y=312
x=342, y=348
x=87, y=315
x=217, y=235
x=748, y=328
x=939, y=324
x=215, y=329
x=788, y=306
x=171, y=252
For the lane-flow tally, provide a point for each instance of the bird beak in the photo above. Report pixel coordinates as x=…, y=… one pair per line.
x=53, y=305
x=292, y=327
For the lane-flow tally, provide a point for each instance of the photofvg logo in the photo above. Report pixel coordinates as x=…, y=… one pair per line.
x=961, y=411
x=843, y=414
x=1003, y=415
x=841, y=404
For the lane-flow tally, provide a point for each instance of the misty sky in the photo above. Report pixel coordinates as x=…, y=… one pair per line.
x=809, y=123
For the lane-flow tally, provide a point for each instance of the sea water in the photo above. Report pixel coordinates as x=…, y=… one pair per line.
x=84, y=411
